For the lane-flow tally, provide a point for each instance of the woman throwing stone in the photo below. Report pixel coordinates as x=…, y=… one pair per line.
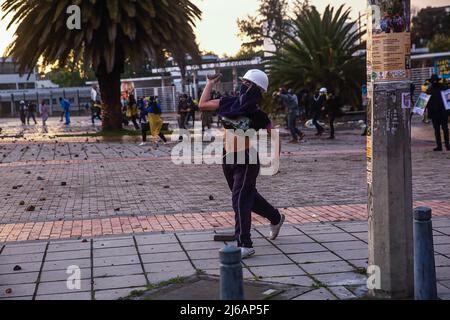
x=243, y=112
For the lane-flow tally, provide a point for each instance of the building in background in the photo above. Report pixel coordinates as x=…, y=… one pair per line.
x=10, y=79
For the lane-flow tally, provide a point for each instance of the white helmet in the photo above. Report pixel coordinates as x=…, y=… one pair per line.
x=323, y=90
x=22, y=102
x=258, y=77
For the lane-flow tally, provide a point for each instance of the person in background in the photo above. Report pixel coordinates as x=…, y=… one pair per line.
x=333, y=110
x=155, y=120
x=44, y=112
x=31, y=113
x=96, y=110
x=183, y=110
x=290, y=102
x=23, y=112
x=437, y=112
x=132, y=111
x=65, y=105
x=317, y=107
x=424, y=89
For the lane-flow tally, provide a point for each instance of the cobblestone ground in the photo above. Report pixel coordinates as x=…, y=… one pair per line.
x=69, y=178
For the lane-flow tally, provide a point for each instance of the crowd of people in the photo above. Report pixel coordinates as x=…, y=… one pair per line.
x=322, y=104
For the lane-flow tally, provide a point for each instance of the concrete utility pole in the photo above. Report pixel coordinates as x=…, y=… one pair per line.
x=389, y=150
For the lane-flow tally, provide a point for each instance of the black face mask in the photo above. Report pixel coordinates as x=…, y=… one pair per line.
x=252, y=92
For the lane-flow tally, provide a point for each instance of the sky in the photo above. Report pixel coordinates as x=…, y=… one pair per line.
x=218, y=32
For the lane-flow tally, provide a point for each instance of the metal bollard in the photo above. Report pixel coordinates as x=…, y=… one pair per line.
x=424, y=266
x=231, y=276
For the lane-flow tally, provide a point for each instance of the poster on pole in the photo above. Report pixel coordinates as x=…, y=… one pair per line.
x=389, y=45
x=446, y=98
x=421, y=104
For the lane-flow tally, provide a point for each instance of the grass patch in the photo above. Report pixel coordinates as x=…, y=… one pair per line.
x=153, y=286
x=317, y=284
x=362, y=271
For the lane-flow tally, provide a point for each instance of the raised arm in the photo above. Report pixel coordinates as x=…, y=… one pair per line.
x=206, y=104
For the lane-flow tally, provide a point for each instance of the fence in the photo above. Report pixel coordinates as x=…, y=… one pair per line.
x=166, y=95
x=78, y=97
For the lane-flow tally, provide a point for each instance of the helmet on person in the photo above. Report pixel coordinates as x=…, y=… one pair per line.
x=323, y=90
x=257, y=77
x=22, y=102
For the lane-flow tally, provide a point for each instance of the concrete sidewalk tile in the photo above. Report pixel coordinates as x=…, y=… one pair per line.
x=203, y=254
x=64, y=264
x=319, y=229
x=68, y=255
x=266, y=250
x=66, y=296
x=342, y=292
x=259, y=242
x=345, y=245
x=267, y=260
x=17, y=290
x=443, y=273
x=364, y=236
x=327, y=267
x=166, y=267
x=115, y=261
x=203, y=245
x=206, y=264
x=293, y=240
x=21, y=258
x=303, y=281
x=354, y=227
x=47, y=288
x=159, y=248
x=26, y=267
x=113, y=243
x=124, y=270
x=157, y=278
x=444, y=230
x=156, y=239
x=26, y=298
x=116, y=294
x=163, y=257
x=332, y=237
x=284, y=232
x=277, y=271
x=114, y=252
x=314, y=257
x=72, y=246
x=357, y=254
x=442, y=248
x=441, y=240
x=302, y=248
x=16, y=249
x=441, y=261
x=361, y=263
x=318, y=294
x=196, y=237
x=62, y=275
x=342, y=279
x=445, y=283
x=9, y=279
x=138, y=280
x=441, y=289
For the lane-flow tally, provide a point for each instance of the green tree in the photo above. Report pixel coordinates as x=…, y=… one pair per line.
x=439, y=43
x=112, y=32
x=271, y=22
x=65, y=78
x=429, y=22
x=321, y=51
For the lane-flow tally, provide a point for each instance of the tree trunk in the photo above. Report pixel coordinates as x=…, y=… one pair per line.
x=110, y=88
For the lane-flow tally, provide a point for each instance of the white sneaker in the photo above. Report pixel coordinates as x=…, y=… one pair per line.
x=247, y=252
x=142, y=144
x=275, y=230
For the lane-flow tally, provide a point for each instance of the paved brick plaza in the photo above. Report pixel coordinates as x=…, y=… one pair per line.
x=55, y=188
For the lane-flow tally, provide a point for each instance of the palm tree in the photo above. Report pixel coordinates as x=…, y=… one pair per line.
x=321, y=52
x=113, y=32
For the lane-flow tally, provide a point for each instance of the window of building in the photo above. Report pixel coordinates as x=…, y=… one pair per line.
x=8, y=86
x=27, y=85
